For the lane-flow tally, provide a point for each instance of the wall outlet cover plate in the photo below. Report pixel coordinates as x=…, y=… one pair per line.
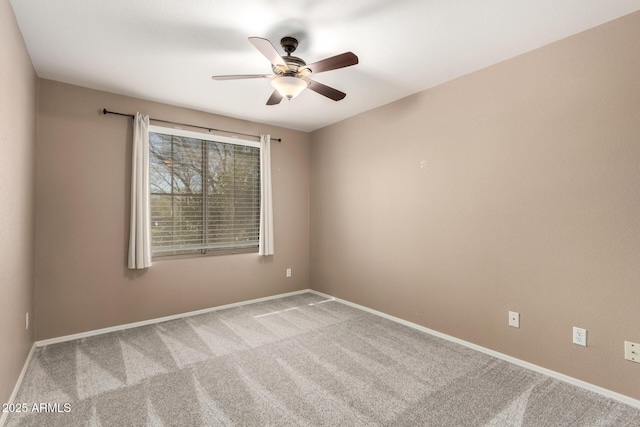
x=580, y=336
x=514, y=319
x=632, y=351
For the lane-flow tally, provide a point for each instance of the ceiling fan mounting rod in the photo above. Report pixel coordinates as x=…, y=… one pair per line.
x=289, y=44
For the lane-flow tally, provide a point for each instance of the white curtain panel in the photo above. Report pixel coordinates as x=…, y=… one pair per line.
x=140, y=230
x=266, y=205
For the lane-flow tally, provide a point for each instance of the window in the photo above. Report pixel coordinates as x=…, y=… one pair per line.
x=205, y=193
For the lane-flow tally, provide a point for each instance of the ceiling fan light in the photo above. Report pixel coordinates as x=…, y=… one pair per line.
x=289, y=87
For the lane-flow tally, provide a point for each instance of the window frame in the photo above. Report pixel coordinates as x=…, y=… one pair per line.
x=179, y=132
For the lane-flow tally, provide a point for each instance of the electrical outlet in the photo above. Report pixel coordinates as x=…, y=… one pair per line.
x=26, y=326
x=288, y=272
x=514, y=319
x=632, y=351
x=580, y=336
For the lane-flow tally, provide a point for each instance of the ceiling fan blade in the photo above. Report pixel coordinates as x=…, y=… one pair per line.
x=243, y=76
x=325, y=90
x=346, y=59
x=275, y=98
x=266, y=48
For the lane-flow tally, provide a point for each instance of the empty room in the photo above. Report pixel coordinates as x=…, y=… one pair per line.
x=312, y=213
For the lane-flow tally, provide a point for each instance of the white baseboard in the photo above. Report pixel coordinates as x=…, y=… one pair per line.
x=72, y=337
x=5, y=415
x=42, y=343
x=553, y=374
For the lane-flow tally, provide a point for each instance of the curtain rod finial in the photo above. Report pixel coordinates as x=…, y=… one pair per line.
x=104, y=111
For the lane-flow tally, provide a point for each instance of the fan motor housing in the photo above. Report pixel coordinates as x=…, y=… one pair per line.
x=289, y=45
x=294, y=64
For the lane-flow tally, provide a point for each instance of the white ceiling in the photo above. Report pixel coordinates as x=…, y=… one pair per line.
x=167, y=50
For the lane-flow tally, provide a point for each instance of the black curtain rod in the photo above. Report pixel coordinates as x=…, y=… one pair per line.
x=105, y=111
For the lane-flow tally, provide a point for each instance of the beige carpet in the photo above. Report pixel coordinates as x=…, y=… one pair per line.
x=295, y=361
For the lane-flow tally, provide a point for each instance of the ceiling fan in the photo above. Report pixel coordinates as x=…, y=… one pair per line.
x=291, y=74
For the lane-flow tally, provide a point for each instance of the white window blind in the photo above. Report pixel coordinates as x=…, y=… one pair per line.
x=205, y=193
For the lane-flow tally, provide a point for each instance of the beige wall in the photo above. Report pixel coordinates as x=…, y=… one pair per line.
x=516, y=188
x=82, y=189
x=18, y=97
